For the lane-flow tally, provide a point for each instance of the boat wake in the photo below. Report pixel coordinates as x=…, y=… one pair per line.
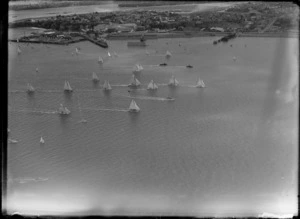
x=29, y=179
x=103, y=109
x=148, y=98
x=34, y=111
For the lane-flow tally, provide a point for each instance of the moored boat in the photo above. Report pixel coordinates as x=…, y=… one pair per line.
x=168, y=54
x=42, y=141
x=100, y=60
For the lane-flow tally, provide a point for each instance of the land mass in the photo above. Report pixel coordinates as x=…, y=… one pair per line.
x=246, y=19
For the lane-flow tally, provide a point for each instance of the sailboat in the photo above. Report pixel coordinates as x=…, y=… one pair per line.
x=63, y=110
x=108, y=54
x=37, y=69
x=134, y=82
x=173, y=82
x=19, y=50
x=133, y=107
x=106, y=86
x=77, y=51
x=137, y=68
x=200, y=83
x=100, y=60
x=152, y=86
x=42, y=141
x=168, y=54
x=95, y=77
x=67, y=87
x=30, y=88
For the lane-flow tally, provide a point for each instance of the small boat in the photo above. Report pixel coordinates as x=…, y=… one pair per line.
x=83, y=121
x=19, y=50
x=152, y=86
x=30, y=88
x=95, y=77
x=37, y=69
x=77, y=51
x=163, y=64
x=189, y=66
x=106, y=86
x=8, y=130
x=168, y=54
x=134, y=82
x=108, y=54
x=63, y=110
x=133, y=107
x=173, y=82
x=100, y=60
x=12, y=141
x=170, y=98
x=42, y=141
x=68, y=87
x=200, y=83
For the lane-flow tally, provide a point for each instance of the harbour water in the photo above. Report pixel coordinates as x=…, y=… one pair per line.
x=212, y=151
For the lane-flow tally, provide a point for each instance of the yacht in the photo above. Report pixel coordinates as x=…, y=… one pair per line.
x=68, y=87
x=152, y=86
x=200, y=83
x=133, y=107
x=134, y=82
x=42, y=141
x=173, y=82
x=95, y=77
x=63, y=110
x=168, y=54
x=30, y=88
x=106, y=86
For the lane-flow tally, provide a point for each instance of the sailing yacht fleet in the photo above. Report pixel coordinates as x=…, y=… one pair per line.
x=135, y=83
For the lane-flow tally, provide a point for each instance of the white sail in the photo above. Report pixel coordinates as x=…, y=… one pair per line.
x=30, y=88
x=19, y=50
x=63, y=110
x=42, y=141
x=200, y=83
x=168, y=54
x=135, y=81
x=140, y=67
x=67, y=86
x=133, y=107
x=100, y=60
x=108, y=54
x=95, y=77
x=152, y=86
x=106, y=85
x=77, y=51
x=173, y=81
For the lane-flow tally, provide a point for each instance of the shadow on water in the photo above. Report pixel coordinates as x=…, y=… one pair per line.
x=173, y=91
x=68, y=97
x=107, y=94
x=134, y=117
x=95, y=84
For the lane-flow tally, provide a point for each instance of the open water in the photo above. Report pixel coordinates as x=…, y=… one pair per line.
x=220, y=150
